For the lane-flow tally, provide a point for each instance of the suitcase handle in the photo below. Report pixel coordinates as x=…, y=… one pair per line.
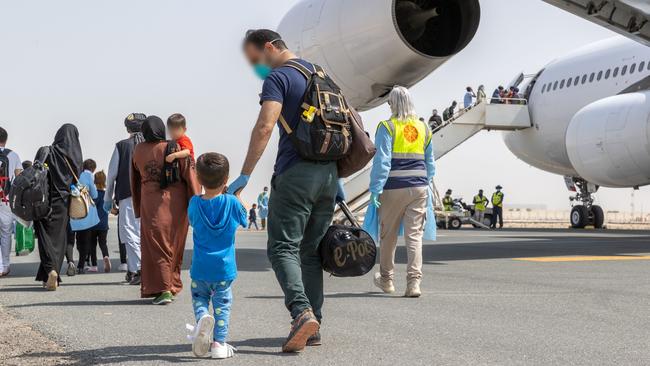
x=346, y=210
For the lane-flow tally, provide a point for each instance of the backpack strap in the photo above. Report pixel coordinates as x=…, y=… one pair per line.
x=301, y=68
x=307, y=74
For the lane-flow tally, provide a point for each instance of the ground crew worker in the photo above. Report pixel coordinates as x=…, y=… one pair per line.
x=497, y=207
x=401, y=172
x=480, y=204
x=447, y=201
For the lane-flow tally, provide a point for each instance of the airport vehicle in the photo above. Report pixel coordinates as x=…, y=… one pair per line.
x=461, y=214
x=584, y=116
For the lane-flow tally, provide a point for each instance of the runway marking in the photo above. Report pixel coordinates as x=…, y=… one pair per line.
x=586, y=258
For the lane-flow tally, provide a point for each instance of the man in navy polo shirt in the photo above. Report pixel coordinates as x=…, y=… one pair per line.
x=303, y=193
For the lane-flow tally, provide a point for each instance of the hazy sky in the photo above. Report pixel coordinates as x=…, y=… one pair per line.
x=91, y=63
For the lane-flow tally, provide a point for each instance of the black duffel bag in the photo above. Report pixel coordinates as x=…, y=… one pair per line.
x=347, y=251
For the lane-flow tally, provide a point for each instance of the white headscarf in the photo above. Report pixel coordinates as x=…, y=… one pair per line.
x=401, y=103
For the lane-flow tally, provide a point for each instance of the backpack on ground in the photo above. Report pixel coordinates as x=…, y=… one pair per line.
x=347, y=251
x=29, y=197
x=5, y=175
x=323, y=131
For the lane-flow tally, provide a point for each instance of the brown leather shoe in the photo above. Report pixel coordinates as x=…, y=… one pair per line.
x=302, y=328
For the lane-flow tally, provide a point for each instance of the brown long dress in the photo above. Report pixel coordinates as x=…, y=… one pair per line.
x=163, y=217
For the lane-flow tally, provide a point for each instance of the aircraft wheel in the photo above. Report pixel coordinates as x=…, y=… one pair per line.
x=599, y=216
x=579, y=217
x=454, y=223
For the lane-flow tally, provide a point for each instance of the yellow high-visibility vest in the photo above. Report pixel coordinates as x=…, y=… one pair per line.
x=497, y=199
x=480, y=203
x=448, y=203
x=410, y=137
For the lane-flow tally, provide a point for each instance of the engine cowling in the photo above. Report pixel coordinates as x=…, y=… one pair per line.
x=367, y=47
x=608, y=141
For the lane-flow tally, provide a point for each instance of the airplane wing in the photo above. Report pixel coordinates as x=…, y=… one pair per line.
x=630, y=18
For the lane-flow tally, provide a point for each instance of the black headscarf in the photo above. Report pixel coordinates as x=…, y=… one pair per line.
x=153, y=130
x=65, y=159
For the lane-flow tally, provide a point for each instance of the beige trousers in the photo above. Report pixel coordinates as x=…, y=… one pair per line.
x=406, y=206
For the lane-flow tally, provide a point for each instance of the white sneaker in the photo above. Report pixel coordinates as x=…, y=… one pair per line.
x=123, y=267
x=201, y=335
x=222, y=351
x=385, y=285
x=413, y=289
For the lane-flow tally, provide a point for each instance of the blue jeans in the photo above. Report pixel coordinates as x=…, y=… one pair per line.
x=220, y=293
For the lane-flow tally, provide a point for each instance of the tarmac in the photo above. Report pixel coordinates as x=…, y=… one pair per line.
x=510, y=297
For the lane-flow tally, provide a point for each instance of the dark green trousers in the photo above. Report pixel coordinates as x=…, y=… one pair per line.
x=300, y=211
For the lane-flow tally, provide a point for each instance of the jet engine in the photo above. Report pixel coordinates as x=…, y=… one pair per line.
x=367, y=47
x=608, y=141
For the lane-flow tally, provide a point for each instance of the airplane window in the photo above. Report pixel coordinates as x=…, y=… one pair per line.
x=591, y=77
x=633, y=69
x=576, y=81
x=624, y=70
x=555, y=85
x=615, y=72
x=562, y=84
x=584, y=79
x=568, y=83
x=543, y=88
x=648, y=66
x=600, y=75
x=641, y=66
x=607, y=73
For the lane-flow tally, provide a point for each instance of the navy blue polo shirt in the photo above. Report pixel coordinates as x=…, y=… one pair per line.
x=287, y=86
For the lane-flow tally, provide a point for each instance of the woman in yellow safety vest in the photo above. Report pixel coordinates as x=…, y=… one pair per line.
x=400, y=184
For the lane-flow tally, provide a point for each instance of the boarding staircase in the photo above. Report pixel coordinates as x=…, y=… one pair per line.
x=452, y=133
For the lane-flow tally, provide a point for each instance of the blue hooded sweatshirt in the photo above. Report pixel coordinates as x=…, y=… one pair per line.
x=214, y=223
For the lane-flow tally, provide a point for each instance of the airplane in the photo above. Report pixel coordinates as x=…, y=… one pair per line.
x=589, y=110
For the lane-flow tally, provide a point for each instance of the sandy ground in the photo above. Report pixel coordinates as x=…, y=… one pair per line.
x=21, y=345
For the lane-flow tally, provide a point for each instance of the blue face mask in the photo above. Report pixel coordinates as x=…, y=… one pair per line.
x=262, y=71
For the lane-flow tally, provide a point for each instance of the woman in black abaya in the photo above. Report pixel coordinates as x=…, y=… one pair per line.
x=52, y=231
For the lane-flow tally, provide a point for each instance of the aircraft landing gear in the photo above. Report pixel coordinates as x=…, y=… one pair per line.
x=586, y=213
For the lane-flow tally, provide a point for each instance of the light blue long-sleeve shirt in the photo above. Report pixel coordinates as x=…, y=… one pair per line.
x=381, y=164
x=86, y=179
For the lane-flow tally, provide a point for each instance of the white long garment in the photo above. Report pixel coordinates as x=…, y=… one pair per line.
x=6, y=217
x=129, y=230
x=6, y=229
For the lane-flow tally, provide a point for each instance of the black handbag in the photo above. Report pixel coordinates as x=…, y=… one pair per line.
x=347, y=251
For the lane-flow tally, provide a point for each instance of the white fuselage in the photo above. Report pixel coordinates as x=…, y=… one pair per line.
x=553, y=103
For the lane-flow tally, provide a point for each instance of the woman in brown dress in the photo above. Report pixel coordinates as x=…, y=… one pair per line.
x=161, y=192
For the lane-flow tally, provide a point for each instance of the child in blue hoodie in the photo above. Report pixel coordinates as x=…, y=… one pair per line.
x=214, y=217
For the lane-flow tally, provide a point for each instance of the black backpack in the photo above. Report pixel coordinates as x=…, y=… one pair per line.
x=5, y=174
x=29, y=197
x=347, y=251
x=323, y=131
